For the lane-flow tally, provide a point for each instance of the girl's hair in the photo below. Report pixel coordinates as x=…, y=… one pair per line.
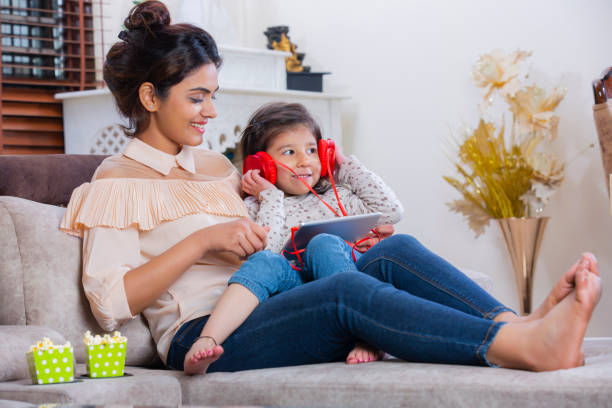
x=153, y=50
x=272, y=119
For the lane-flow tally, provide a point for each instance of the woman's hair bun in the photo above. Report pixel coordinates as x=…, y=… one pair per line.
x=150, y=15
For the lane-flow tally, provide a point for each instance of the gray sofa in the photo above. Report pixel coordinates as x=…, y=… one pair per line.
x=41, y=295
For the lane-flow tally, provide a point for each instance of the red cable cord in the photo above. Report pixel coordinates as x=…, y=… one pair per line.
x=310, y=188
x=296, y=251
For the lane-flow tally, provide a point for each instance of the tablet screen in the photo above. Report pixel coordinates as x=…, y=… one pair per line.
x=351, y=229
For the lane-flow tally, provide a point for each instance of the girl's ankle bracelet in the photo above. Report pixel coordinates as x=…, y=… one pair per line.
x=207, y=337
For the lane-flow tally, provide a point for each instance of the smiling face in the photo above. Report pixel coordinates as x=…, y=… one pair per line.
x=180, y=117
x=296, y=148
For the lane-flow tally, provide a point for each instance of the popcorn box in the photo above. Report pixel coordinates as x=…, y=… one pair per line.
x=105, y=360
x=51, y=366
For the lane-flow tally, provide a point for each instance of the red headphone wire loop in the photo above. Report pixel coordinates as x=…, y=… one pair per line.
x=309, y=188
x=296, y=251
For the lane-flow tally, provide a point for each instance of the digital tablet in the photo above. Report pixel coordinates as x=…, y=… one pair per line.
x=350, y=228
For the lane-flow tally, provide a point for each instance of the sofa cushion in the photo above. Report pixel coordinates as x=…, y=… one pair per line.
x=484, y=280
x=15, y=341
x=12, y=304
x=46, y=178
x=143, y=388
x=48, y=276
x=395, y=383
x=15, y=404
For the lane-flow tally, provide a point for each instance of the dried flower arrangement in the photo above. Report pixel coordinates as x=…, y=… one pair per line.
x=500, y=175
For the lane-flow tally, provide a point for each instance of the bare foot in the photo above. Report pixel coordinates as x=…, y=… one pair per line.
x=202, y=353
x=564, y=287
x=554, y=342
x=363, y=353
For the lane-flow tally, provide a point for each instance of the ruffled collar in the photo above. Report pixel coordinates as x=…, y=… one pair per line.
x=146, y=203
x=159, y=161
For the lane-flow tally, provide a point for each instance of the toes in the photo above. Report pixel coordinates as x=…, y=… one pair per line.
x=351, y=359
x=217, y=351
x=571, y=274
x=593, y=265
x=588, y=288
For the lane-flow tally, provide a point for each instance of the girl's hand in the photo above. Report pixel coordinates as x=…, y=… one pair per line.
x=384, y=231
x=340, y=157
x=253, y=183
x=242, y=237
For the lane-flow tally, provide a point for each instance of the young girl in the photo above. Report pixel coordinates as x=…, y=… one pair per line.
x=289, y=135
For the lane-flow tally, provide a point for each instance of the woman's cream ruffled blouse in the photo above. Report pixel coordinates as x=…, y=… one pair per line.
x=138, y=205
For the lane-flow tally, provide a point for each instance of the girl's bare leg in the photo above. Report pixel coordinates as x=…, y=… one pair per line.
x=555, y=341
x=232, y=309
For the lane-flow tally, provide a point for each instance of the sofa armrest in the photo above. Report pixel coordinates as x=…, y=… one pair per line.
x=15, y=341
x=482, y=279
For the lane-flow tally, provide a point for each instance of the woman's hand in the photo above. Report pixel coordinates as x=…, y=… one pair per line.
x=254, y=184
x=384, y=231
x=242, y=237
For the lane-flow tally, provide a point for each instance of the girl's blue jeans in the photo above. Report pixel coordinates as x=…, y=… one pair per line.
x=268, y=273
x=405, y=300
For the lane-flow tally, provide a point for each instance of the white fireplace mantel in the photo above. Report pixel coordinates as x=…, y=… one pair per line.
x=248, y=79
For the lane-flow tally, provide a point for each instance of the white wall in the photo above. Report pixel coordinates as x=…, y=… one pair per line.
x=406, y=64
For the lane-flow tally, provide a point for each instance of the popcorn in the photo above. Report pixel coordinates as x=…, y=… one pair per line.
x=90, y=340
x=47, y=344
x=50, y=363
x=105, y=354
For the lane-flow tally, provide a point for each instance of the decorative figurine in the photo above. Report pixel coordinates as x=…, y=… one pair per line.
x=278, y=39
x=299, y=76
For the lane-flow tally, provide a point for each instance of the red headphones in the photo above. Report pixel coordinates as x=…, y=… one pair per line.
x=267, y=167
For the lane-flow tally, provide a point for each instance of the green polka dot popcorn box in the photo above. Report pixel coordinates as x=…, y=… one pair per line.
x=49, y=363
x=105, y=356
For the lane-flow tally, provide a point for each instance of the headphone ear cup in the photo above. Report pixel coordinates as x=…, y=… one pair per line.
x=263, y=162
x=327, y=154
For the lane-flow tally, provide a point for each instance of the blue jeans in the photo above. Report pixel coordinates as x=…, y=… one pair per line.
x=267, y=273
x=406, y=301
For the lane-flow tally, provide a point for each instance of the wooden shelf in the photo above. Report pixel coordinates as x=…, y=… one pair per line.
x=45, y=68
x=29, y=109
x=43, y=52
x=27, y=124
x=12, y=94
x=37, y=24
x=57, y=83
x=32, y=150
x=30, y=117
x=46, y=11
x=28, y=138
x=63, y=41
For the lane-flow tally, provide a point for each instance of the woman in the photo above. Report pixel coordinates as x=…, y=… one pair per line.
x=164, y=227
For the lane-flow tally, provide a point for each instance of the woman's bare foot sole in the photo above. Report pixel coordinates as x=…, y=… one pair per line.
x=564, y=327
x=555, y=342
x=563, y=287
x=199, y=357
x=363, y=353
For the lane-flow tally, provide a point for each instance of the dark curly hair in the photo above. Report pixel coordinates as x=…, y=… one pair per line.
x=153, y=50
